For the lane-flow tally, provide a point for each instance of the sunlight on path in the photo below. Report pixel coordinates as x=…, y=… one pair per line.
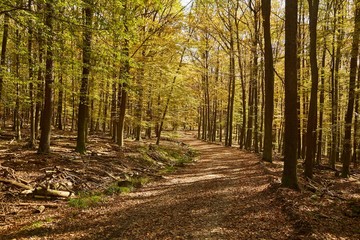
x=223, y=195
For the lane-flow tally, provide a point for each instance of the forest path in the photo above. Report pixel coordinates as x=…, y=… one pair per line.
x=224, y=195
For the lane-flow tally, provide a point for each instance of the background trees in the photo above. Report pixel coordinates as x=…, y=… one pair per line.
x=159, y=65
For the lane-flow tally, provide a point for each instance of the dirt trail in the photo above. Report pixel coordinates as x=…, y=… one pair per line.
x=224, y=195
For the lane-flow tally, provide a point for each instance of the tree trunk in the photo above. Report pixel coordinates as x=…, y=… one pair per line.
x=44, y=145
x=83, y=102
x=124, y=77
x=338, y=35
x=140, y=100
x=345, y=157
x=31, y=84
x=322, y=100
x=60, y=102
x=312, y=117
x=3, y=55
x=289, y=177
x=162, y=120
x=269, y=82
x=17, y=118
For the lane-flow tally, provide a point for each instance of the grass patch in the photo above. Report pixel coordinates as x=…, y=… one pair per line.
x=126, y=186
x=175, y=155
x=114, y=188
x=168, y=169
x=85, y=201
x=172, y=156
x=140, y=181
x=37, y=224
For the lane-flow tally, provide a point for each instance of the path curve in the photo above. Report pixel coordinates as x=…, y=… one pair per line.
x=224, y=195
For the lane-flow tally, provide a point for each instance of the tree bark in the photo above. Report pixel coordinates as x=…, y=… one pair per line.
x=83, y=103
x=322, y=100
x=269, y=82
x=44, y=145
x=31, y=84
x=345, y=157
x=312, y=116
x=3, y=55
x=289, y=177
x=124, y=77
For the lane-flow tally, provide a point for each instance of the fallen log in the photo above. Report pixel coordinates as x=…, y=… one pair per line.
x=47, y=192
x=53, y=193
x=25, y=204
x=15, y=183
x=39, y=191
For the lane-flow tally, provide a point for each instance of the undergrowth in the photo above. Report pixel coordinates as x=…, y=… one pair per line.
x=166, y=158
x=86, y=200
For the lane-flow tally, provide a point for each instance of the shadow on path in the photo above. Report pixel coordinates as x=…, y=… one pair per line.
x=224, y=195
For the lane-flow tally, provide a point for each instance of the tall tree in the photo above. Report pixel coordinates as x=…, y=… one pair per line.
x=31, y=84
x=289, y=177
x=269, y=82
x=312, y=115
x=351, y=98
x=44, y=145
x=3, y=54
x=83, y=104
x=336, y=56
x=124, y=76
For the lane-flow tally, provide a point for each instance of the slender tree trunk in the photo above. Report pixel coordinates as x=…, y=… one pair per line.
x=124, y=77
x=3, y=56
x=232, y=98
x=83, y=102
x=338, y=35
x=60, y=102
x=289, y=177
x=40, y=84
x=269, y=82
x=356, y=141
x=113, y=120
x=44, y=145
x=255, y=69
x=312, y=117
x=105, y=112
x=17, y=118
x=31, y=84
x=356, y=124
x=162, y=120
x=249, y=134
x=140, y=100
x=322, y=100
x=345, y=157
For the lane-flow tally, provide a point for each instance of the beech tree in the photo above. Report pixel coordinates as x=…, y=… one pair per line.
x=45, y=124
x=289, y=177
x=346, y=155
x=312, y=116
x=136, y=69
x=269, y=82
x=86, y=58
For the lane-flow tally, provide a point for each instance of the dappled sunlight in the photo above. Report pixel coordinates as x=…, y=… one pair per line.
x=212, y=199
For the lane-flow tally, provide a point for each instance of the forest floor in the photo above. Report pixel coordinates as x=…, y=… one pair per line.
x=226, y=194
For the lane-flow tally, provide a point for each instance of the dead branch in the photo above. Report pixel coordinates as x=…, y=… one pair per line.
x=15, y=183
x=24, y=204
x=112, y=176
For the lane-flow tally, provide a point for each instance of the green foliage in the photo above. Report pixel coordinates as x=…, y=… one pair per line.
x=85, y=200
x=114, y=188
x=126, y=186
x=139, y=181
